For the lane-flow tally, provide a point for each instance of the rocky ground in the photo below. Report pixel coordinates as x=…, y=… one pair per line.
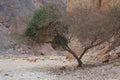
x=55, y=68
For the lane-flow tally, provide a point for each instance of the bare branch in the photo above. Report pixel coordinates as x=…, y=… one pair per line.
x=67, y=48
x=95, y=39
x=70, y=37
x=72, y=52
x=91, y=46
x=85, y=50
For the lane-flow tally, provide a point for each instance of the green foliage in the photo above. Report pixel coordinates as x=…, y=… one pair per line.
x=43, y=24
x=59, y=41
x=40, y=19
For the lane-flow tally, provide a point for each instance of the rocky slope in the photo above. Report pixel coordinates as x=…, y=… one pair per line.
x=18, y=8
x=14, y=15
x=92, y=4
x=16, y=12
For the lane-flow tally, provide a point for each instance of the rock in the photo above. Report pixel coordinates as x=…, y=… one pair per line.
x=6, y=74
x=63, y=68
x=32, y=59
x=21, y=51
x=106, y=61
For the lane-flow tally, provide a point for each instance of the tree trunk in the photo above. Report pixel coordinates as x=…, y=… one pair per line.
x=74, y=54
x=79, y=62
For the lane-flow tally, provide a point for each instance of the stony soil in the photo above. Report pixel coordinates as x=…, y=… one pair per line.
x=55, y=68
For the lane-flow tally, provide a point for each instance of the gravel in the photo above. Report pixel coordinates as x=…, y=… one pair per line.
x=55, y=68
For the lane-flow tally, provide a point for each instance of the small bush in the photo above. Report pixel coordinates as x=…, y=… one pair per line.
x=60, y=41
x=43, y=23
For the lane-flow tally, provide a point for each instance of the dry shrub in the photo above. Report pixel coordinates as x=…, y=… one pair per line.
x=88, y=25
x=94, y=28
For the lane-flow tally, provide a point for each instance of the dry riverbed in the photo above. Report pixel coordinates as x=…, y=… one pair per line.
x=55, y=68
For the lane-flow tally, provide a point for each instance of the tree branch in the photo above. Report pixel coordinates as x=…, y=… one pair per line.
x=72, y=52
x=85, y=50
x=91, y=46
x=70, y=38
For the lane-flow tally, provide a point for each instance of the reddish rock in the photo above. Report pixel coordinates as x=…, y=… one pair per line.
x=32, y=59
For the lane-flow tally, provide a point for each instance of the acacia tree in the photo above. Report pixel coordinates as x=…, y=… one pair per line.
x=92, y=29
x=48, y=26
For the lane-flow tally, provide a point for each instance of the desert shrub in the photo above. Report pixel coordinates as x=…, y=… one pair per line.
x=88, y=25
x=60, y=41
x=91, y=28
x=94, y=28
x=44, y=22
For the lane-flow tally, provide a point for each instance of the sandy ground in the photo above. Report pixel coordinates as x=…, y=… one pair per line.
x=55, y=68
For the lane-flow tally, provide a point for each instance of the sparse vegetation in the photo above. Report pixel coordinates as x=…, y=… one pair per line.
x=92, y=29
x=50, y=39
x=44, y=23
x=41, y=21
x=47, y=26
x=95, y=28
